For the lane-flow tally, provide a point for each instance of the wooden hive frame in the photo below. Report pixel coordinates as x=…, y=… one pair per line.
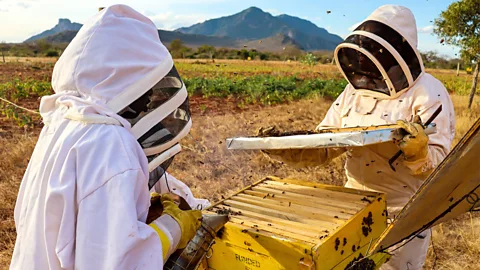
x=289, y=224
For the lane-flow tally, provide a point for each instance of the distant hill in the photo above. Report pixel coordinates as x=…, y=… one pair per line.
x=62, y=37
x=192, y=40
x=62, y=25
x=250, y=24
x=253, y=23
x=272, y=44
x=309, y=28
x=165, y=36
x=251, y=28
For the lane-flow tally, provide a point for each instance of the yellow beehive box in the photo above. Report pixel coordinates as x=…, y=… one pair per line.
x=290, y=224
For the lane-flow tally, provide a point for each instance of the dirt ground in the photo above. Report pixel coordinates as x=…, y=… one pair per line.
x=212, y=171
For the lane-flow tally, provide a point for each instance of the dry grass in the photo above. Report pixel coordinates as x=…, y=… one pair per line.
x=212, y=171
x=16, y=152
x=31, y=59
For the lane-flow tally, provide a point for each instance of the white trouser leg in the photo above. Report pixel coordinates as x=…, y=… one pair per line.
x=410, y=256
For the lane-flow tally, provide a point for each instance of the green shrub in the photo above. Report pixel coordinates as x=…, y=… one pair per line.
x=51, y=53
x=265, y=89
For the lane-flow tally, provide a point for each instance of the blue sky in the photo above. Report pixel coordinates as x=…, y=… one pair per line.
x=20, y=19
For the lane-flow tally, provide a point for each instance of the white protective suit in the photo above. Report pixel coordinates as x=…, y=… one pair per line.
x=84, y=198
x=367, y=168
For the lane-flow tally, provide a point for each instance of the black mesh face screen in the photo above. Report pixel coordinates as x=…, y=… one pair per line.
x=138, y=106
x=168, y=128
x=397, y=41
x=386, y=59
x=157, y=173
x=160, y=93
x=361, y=72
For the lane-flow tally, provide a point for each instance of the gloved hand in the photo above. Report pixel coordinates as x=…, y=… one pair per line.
x=156, y=209
x=189, y=221
x=415, y=144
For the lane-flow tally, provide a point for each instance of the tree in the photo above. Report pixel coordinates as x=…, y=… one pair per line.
x=176, y=45
x=292, y=52
x=52, y=53
x=244, y=54
x=459, y=25
x=207, y=49
x=2, y=48
x=178, y=49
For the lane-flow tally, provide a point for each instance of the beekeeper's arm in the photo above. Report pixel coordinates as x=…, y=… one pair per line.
x=300, y=158
x=111, y=233
x=423, y=153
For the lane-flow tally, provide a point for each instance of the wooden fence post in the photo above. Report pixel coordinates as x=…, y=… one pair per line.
x=474, y=85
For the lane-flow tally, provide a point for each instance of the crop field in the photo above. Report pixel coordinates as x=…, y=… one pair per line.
x=228, y=98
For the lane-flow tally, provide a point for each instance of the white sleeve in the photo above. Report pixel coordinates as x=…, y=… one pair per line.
x=111, y=232
x=167, y=183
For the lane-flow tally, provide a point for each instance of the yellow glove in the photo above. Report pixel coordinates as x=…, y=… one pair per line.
x=415, y=144
x=189, y=221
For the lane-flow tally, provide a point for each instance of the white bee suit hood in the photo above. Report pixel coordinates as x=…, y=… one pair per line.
x=111, y=63
x=380, y=57
x=113, y=56
x=84, y=197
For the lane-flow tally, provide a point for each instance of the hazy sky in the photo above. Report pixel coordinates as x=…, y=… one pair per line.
x=20, y=19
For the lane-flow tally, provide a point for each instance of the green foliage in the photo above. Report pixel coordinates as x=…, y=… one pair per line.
x=460, y=25
x=244, y=54
x=176, y=45
x=431, y=59
x=309, y=59
x=179, y=50
x=16, y=90
x=52, y=53
x=265, y=89
x=40, y=48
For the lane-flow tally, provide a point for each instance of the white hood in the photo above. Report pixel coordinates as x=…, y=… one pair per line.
x=115, y=58
x=399, y=18
x=385, y=25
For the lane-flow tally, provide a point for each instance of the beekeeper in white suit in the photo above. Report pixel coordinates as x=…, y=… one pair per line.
x=387, y=82
x=85, y=195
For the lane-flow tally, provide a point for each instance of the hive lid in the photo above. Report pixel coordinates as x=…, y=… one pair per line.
x=452, y=189
x=338, y=137
x=300, y=211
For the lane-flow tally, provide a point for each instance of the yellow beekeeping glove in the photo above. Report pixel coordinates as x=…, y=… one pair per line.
x=414, y=145
x=189, y=221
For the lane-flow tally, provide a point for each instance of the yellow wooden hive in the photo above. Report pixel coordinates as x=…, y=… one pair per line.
x=290, y=224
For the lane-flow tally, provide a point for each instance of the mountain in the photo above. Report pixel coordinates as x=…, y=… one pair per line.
x=308, y=28
x=193, y=40
x=272, y=44
x=250, y=24
x=251, y=28
x=62, y=25
x=62, y=37
x=253, y=23
x=165, y=36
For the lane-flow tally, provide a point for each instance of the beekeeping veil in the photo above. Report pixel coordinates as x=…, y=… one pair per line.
x=117, y=71
x=160, y=117
x=380, y=57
